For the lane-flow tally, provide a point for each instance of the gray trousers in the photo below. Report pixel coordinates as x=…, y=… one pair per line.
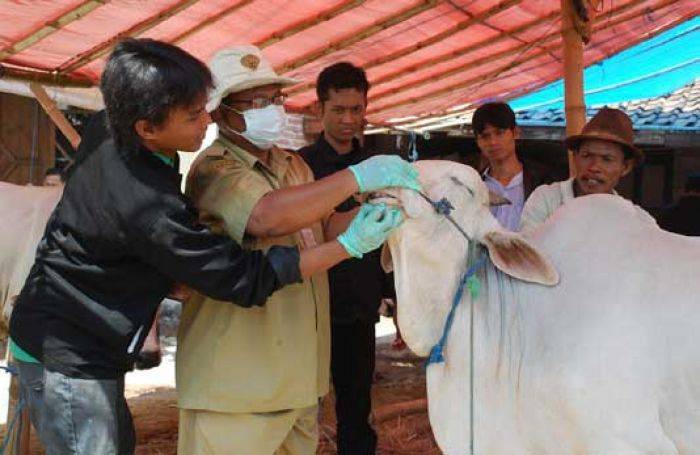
x=77, y=416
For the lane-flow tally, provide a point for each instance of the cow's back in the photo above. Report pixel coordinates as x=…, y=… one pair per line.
x=615, y=340
x=25, y=211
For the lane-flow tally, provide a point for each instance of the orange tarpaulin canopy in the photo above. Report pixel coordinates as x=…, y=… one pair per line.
x=423, y=57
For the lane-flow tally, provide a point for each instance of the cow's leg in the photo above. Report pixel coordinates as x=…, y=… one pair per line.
x=149, y=356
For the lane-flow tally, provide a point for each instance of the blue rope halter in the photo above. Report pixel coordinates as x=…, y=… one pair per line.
x=445, y=208
x=472, y=282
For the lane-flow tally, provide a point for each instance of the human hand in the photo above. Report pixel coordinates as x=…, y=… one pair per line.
x=370, y=228
x=383, y=171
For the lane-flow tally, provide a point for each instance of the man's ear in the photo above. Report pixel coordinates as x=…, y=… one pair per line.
x=516, y=133
x=515, y=256
x=628, y=166
x=145, y=129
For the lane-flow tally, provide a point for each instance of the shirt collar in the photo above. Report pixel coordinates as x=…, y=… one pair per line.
x=279, y=158
x=517, y=179
x=333, y=156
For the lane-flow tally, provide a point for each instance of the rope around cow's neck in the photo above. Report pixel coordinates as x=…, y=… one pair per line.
x=469, y=280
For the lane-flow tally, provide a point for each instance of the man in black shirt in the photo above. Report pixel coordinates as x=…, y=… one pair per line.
x=123, y=234
x=684, y=217
x=356, y=285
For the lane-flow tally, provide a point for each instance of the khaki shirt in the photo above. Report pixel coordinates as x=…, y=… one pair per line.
x=260, y=359
x=547, y=198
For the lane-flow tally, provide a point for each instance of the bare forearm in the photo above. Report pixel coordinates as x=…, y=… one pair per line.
x=338, y=223
x=321, y=258
x=287, y=210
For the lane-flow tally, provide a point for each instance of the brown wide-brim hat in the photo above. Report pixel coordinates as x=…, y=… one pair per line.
x=611, y=125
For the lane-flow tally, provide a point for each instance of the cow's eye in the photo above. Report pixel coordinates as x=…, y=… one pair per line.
x=457, y=181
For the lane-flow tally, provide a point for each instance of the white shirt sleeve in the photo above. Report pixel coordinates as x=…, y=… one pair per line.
x=538, y=207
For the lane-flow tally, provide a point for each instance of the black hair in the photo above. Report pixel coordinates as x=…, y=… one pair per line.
x=145, y=79
x=498, y=115
x=339, y=76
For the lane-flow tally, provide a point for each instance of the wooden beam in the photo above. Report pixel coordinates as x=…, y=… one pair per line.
x=55, y=114
x=50, y=28
x=208, y=21
x=574, y=103
x=498, y=8
x=357, y=36
x=602, y=25
x=324, y=16
x=43, y=77
x=104, y=47
x=461, y=85
x=551, y=38
x=430, y=78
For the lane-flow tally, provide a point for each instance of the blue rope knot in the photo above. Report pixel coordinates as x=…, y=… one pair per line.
x=472, y=283
x=443, y=206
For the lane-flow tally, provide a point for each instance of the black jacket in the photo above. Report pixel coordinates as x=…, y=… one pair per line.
x=684, y=217
x=356, y=285
x=119, y=238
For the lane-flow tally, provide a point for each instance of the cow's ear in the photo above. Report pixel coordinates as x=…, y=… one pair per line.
x=513, y=255
x=385, y=259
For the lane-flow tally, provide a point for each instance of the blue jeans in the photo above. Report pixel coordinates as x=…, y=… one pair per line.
x=77, y=416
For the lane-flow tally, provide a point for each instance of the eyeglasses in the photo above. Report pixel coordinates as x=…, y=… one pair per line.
x=259, y=103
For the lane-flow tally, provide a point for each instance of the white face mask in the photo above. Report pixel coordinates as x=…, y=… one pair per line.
x=263, y=127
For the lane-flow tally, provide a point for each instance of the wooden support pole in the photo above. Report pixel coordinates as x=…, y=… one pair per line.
x=574, y=104
x=55, y=114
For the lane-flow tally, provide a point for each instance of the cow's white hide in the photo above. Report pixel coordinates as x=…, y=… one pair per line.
x=24, y=211
x=605, y=362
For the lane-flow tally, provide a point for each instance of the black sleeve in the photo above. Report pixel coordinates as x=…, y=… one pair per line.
x=215, y=265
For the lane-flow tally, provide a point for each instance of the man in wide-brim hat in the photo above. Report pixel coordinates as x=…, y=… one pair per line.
x=604, y=152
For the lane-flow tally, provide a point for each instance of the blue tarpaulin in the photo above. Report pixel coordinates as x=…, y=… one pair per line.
x=647, y=70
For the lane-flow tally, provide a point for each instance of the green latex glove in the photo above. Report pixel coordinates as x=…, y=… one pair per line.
x=370, y=228
x=383, y=171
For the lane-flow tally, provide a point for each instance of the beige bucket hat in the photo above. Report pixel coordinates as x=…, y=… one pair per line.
x=240, y=68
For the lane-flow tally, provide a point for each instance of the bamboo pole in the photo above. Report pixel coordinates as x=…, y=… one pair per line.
x=498, y=8
x=43, y=77
x=277, y=36
x=55, y=114
x=306, y=24
x=50, y=28
x=461, y=85
x=552, y=37
x=102, y=48
x=208, y=21
x=602, y=25
x=574, y=103
x=356, y=36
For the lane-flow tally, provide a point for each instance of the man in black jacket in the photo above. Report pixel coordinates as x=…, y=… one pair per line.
x=357, y=285
x=123, y=234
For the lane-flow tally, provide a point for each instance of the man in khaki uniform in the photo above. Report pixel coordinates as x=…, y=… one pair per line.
x=249, y=379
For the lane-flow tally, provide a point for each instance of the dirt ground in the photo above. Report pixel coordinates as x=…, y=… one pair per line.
x=399, y=412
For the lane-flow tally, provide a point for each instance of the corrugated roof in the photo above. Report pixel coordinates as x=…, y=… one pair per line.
x=423, y=57
x=676, y=111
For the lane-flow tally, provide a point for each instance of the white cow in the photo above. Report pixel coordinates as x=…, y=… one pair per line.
x=604, y=362
x=24, y=211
